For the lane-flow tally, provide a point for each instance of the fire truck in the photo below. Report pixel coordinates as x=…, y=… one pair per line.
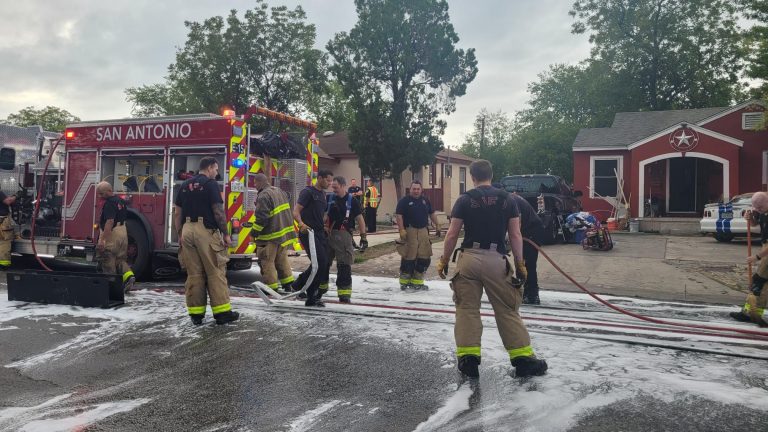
x=146, y=160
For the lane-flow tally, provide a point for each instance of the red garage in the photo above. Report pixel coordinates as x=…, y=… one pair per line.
x=672, y=163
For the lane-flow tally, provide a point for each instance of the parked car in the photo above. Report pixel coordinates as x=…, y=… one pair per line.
x=726, y=220
x=559, y=201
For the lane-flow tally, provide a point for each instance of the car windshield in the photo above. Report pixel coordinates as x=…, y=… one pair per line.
x=531, y=184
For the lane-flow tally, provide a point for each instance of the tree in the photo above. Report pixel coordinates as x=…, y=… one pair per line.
x=756, y=43
x=51, y=118
x=496, y=132
x=679, y=53
x=587, y=94
x=401, y=69
x=265, y=58
x=331, y=109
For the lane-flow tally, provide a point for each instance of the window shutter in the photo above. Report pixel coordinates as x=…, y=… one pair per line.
x=751, y=121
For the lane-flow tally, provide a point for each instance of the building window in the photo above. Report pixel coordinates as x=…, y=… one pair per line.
x=462, y=179
x=603, y=181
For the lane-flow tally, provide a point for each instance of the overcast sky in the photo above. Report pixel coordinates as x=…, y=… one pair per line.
x=81, y=55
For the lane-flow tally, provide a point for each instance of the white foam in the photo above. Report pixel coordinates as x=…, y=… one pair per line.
x=455, y=405
x=82, y=417
x=309, y=419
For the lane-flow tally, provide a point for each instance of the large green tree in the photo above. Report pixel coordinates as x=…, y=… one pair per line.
x=756, y=43
x=679, y=53
x=401, y=69
x=267, y=57
x=331, y=108
x=491, y=138
x=51, y=118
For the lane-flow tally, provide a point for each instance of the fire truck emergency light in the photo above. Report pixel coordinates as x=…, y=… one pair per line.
x=238, y=163
x=228, y=112
x=70, y=134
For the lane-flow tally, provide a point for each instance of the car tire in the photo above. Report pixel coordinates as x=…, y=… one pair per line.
x=551, y=235
x=723, y=237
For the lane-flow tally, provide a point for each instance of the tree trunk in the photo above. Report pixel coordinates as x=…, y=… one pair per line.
x=397, y=178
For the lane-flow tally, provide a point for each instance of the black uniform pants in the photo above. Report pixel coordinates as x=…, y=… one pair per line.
x=531, y=257
x=320, y=283
x=370, y=219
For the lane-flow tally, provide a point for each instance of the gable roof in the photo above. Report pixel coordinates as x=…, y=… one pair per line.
x=631, y=127
x=455, y=156
x=336, y=144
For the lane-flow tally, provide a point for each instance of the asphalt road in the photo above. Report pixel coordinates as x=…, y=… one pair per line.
x=145, y=367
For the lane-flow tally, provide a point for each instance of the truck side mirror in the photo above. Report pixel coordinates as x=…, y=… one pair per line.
x=577, y=194
x=7, y=159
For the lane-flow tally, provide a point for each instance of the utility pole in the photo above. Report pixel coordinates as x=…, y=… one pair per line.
x=482, y=136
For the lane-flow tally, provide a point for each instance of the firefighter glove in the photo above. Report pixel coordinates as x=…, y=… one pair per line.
x=522, y=272
x=363, y=244
x=304, y=228
x=442, y=268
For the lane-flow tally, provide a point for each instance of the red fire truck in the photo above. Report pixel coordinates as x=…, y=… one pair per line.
x=146, y=160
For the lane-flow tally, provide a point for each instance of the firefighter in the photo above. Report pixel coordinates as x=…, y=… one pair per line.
x=309, y=213
x=488, y=215
x=371, y=204
x=274, y=234
x=112, y=248
x=343, y=212
x=201, y=224
x=357, y=193
x=531, y=228
x=413, y=213
x=6, y=229
x=757, y=298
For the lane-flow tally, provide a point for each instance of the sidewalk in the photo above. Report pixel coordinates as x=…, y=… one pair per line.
x=696, y=269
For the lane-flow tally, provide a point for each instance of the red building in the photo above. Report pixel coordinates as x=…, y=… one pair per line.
x=672, y=163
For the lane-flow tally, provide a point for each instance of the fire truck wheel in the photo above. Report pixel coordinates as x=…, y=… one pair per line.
x=138, y=248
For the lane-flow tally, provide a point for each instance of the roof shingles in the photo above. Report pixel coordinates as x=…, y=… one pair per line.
x=630, y=127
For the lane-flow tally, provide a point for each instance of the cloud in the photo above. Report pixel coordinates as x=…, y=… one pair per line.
x=81, y=55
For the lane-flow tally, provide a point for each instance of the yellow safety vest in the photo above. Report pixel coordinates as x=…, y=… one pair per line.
x=373, y=200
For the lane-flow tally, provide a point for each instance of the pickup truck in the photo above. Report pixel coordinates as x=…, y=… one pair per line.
x=559, y=201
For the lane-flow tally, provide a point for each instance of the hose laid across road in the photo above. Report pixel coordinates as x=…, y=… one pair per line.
x=760, y=334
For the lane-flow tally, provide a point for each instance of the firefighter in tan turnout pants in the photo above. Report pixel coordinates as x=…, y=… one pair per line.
x=413, y=214
x=201, y=224
x=274, y=234
x=6, y=229
x=112, y=248
x=757, y=299
x=488, y=215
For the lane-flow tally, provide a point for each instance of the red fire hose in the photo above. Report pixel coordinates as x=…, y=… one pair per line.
x=642, y=317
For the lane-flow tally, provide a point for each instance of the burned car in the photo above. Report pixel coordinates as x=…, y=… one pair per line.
x=558, y=201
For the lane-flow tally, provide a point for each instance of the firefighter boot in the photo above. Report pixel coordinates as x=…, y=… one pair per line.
x=529, y=366
x=468, y=366
x=757, y=285
x=129, y=282
x=226, y=317
x=197, y=319
x=740, y=316
x=534, y=300
x=345, y=299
